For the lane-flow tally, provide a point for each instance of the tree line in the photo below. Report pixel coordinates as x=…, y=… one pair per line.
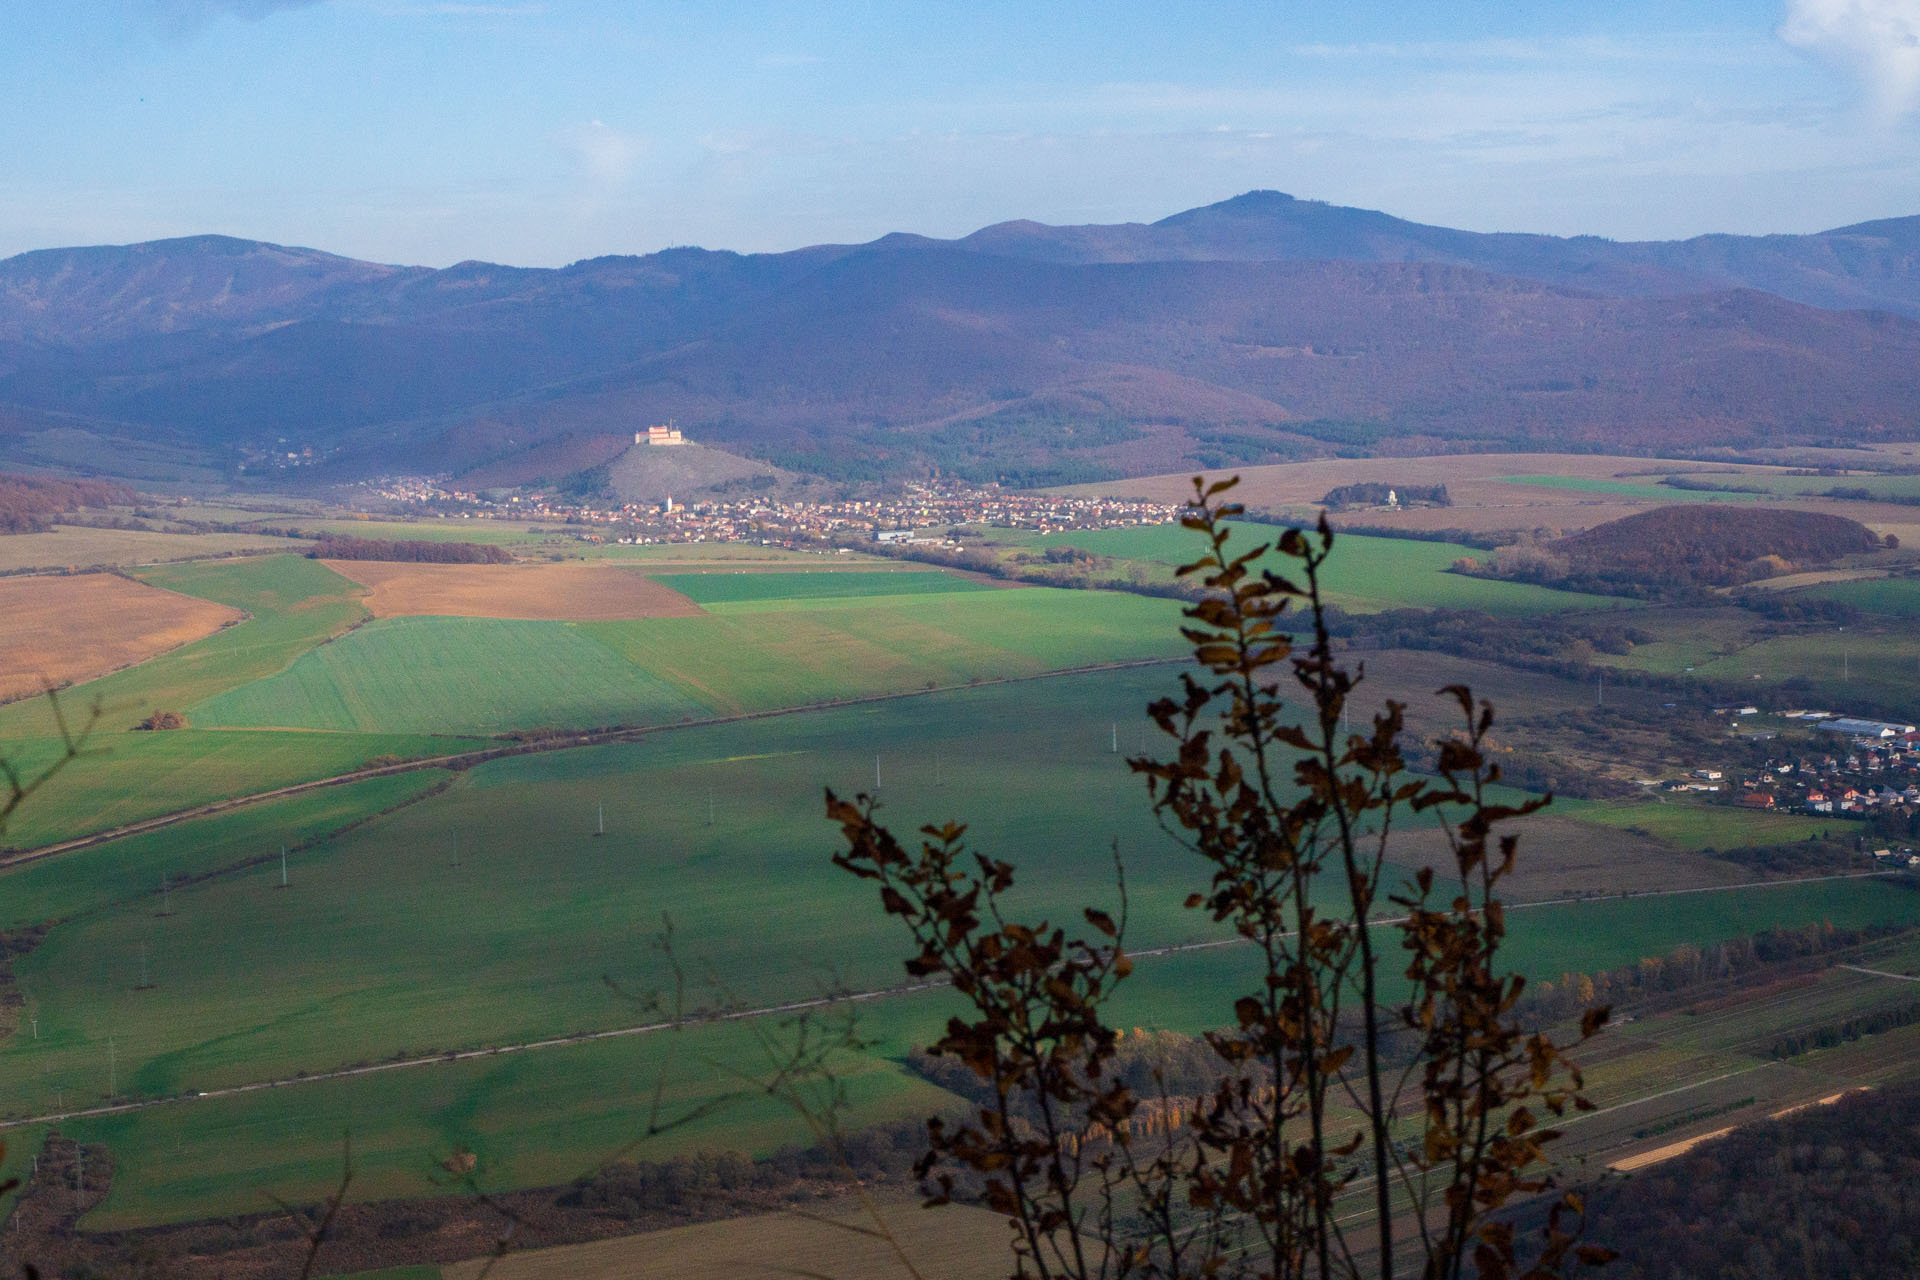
x=28, y=504
x=340, y=546
x=1375, y=495
x=1829, y=1191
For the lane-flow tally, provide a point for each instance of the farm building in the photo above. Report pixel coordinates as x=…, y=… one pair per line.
x=1866, y=728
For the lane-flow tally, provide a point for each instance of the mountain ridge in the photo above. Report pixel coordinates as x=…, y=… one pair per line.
x=1255, y=329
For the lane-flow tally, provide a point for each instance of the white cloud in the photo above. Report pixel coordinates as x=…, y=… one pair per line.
x=607, y=155
x=451, y=9
x=1878, y=40
x=180, y=17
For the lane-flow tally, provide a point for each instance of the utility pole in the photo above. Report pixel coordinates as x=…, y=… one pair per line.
x=876, y=773
x=709, y=806
x=600, y=826
x=166, y=895
x=1116, y=738
x=113, y=1072
x=283, y=866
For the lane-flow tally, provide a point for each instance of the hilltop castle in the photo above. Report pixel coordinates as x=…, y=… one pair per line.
x=659, y=435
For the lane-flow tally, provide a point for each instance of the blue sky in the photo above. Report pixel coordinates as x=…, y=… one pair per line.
x=543, y=131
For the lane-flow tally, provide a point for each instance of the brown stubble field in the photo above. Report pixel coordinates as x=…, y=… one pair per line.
x=73, y=628
x=564, y=592
x=957, y=1242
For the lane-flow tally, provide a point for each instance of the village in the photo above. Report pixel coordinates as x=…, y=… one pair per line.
x=919, y=512
x=1869, y=770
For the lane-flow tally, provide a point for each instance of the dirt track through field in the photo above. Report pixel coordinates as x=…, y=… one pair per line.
x=568, y=592
x=73, y=628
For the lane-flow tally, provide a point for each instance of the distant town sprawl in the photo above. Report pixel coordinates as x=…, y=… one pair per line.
x=920, y=512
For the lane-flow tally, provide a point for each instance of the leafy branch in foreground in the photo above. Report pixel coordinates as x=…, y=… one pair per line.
x=1363, y=1122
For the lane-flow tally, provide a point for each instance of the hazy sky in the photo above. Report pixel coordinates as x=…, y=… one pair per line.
x=542, y=131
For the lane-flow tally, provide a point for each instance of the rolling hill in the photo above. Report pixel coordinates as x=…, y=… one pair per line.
x=1259, y=329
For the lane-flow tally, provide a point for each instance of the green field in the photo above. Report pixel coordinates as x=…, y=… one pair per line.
x=484, y=909
x=546, y=1117
x=484, y=675
x=125, y=870
x=1834, y=665
x=1367, y=574
x=725, y=588
x=1631, y=488
x=1690, y=825
x=1888, y=597
x=1880, y=486
x=383, y=946
x=294, y=604
x=512, y=534
x=474, y=675
x=139, y=775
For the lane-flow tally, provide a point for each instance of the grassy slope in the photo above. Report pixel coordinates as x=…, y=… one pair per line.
x=1367, y=574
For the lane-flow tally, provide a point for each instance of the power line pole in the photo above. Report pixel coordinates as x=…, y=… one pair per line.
x=113, y=1072
x=283, y=866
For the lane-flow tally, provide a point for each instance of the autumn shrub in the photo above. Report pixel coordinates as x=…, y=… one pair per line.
x=1329, y=1128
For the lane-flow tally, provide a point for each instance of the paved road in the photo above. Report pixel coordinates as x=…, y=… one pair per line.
x=819, y=1002
x=1882, y=973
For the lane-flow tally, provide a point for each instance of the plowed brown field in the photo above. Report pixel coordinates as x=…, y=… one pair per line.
x=75, y=628
x=543, y=592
